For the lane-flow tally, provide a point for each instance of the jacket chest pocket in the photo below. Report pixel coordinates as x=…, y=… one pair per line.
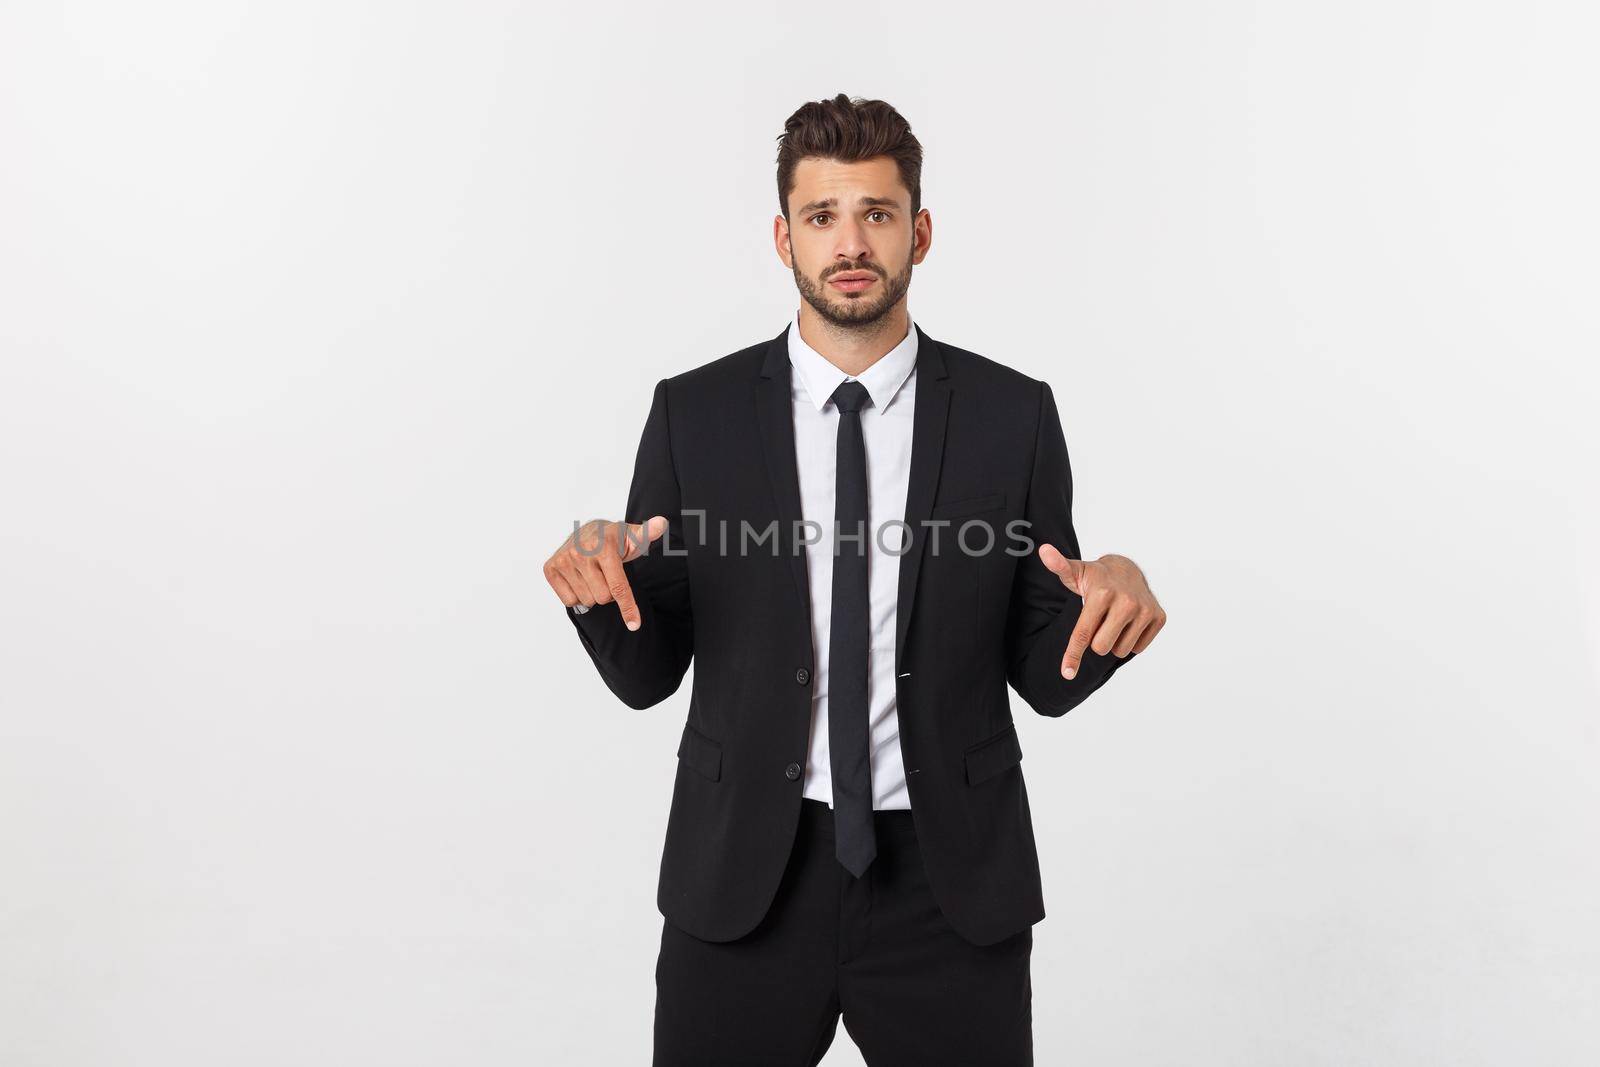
x=966, y=506
x=969, y=540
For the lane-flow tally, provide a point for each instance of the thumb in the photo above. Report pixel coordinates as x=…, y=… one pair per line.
x=1070, y=571
x=641, y=535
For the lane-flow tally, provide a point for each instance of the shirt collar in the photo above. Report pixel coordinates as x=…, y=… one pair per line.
x=882, y=380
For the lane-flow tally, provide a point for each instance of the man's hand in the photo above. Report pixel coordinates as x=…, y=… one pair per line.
x=1120, y=614
x=587, y=568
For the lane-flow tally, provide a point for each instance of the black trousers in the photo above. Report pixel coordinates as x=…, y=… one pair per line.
x=877, y=949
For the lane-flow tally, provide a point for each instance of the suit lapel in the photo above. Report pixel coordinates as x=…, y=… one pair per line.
x=775, y=413
x=927, y=453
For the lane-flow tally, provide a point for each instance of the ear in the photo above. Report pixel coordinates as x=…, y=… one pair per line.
x=921, y=236
x=781, y=241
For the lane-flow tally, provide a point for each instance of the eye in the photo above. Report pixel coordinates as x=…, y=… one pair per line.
x=814, y=218
x=885, y=214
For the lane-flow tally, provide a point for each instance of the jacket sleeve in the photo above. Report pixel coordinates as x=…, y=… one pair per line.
x=643, y=667
x=1043, y=612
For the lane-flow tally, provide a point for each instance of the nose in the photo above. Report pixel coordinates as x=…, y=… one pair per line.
x=851, y=242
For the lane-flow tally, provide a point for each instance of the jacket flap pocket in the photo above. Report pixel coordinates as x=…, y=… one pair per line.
x=971, y=505
x=992, y=755
x=700, y=753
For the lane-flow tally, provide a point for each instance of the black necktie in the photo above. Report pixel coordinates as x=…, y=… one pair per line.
x=849, y=637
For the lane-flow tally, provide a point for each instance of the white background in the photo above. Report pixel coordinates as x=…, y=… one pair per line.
x=320, y=322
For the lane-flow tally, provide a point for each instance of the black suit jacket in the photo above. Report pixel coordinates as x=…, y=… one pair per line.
x=717, y=451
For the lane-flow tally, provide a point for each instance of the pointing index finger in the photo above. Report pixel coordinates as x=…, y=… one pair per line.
x=617, y=580
x=1089, y=620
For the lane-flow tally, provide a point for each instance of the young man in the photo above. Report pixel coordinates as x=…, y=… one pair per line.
x=867, y=536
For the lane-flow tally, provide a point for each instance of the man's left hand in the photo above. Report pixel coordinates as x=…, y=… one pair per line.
x=1120, y=615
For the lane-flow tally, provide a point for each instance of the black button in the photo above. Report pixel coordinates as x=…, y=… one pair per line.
x=792, y=772
x=802, y=676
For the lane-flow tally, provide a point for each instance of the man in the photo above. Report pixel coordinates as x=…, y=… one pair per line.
x=860, y=535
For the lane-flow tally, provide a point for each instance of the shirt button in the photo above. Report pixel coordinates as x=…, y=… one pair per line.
x=792, y=772
x=802, y=676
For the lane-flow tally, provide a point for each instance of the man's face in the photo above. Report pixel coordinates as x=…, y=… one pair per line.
x=851, y=220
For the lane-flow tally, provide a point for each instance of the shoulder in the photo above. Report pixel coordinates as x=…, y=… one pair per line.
x=716, y=380
x=741, y=366
x=1003, y=387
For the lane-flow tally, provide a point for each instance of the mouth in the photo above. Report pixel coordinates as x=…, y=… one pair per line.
x=852, y=281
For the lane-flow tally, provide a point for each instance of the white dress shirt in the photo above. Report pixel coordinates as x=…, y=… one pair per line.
x=886, y=430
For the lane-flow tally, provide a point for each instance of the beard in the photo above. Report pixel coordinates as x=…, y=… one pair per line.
x=854, y=312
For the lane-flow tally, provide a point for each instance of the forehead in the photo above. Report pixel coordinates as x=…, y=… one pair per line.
x=816, y=178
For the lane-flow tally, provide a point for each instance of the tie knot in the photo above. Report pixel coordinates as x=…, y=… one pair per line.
x=850, y=397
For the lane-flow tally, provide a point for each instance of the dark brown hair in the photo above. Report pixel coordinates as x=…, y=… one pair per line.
x=848, y=129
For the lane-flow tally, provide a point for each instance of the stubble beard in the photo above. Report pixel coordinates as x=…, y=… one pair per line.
x=863, y=315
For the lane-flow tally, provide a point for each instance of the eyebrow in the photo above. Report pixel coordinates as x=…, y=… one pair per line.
x=866, y=201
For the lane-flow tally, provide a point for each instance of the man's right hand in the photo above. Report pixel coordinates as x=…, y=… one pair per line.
x=587, y=568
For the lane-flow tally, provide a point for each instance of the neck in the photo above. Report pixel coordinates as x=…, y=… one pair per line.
x=854, y=348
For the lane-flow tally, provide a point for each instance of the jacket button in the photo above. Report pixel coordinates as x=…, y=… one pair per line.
x=792, y=772
x=802, y=676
